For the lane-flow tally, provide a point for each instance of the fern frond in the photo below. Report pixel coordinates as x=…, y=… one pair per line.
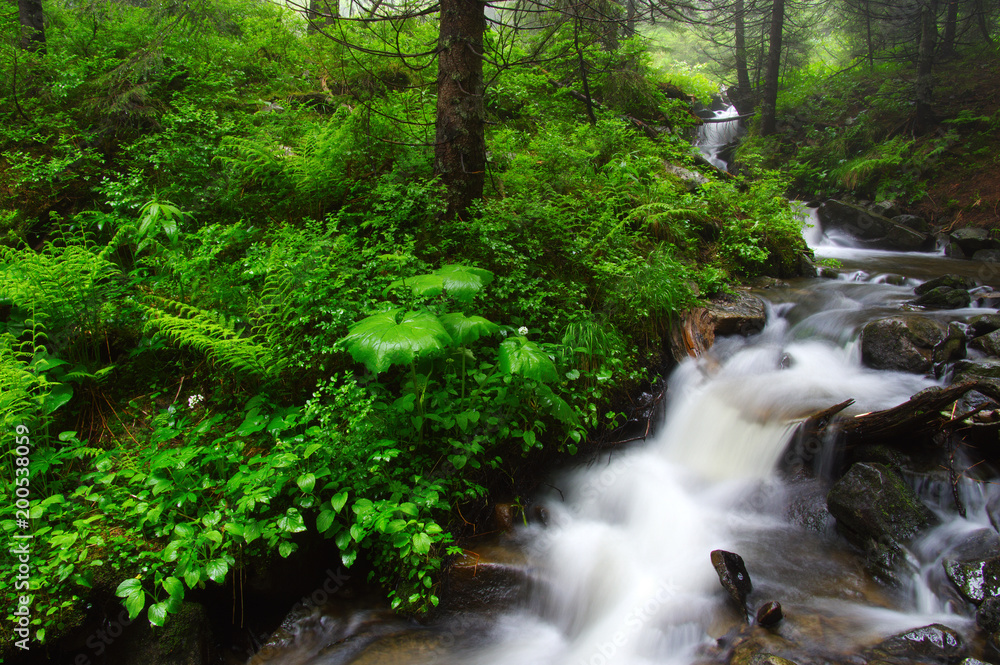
x=215, y=336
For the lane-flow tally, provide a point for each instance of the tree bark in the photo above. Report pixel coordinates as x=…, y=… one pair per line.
x=924, y=88
x=630, y=12
x=769, y=102
x=742, y=73
x=460, y=153
x=950, y=27
x=32, y=25
x=321, y=13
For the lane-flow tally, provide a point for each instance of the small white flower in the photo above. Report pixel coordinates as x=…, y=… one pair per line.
x=195, y=400
x=522, y=331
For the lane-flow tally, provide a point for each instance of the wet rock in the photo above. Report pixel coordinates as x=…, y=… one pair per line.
x=988, y=255
x=872, y=229
x=912, y=222
x=988, y=344
x=943, y=297
x=952, y=347
x=951, y=281
x=935, y=643
x=878, y=513
x=185, y=640
x=733, y=575
x=982, y=369
x=692, y=180
x=971, y=240
x=983, y=324
x=980, y=544
x=885, y=208
x=491, y=577
x=904, y=343
x=975, y=580
x=988, y=614
x=973, y=661
x=759, y=646
x=769, y=614
x=739, y=313
x=985, y=296
x=948, y=247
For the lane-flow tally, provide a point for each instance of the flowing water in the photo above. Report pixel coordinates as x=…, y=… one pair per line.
x=713, y=137
x=620, y=570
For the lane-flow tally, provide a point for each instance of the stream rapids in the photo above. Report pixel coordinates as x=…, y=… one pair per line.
x=620, y=573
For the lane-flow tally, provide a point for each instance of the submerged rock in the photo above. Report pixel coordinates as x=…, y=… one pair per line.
x=734, y=576
x=988, y=614
x=903, y=343
x=935, y=643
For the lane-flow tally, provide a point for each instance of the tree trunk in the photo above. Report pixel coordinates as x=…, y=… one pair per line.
x=32, y=25
x=950, y=27
x=321, y=13
x=742, y=73
x=460, y=154
x=924, y=88
x=984, y=27
x=868, y=37
x=769, y=102
x=630, y=12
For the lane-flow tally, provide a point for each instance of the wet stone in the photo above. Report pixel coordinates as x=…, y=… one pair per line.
x=913, y=222
x=935, y=643
x=984, y=324
x=975, y=580
x=904, y=343
x=988, y=344
x=988, y=615
x=733, y=575
x=971, y=240
x=951, y=281
x=943, y=297
x=989, y=255
x=769, y=614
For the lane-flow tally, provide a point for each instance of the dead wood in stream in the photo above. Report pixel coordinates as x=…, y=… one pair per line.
x=921, y=414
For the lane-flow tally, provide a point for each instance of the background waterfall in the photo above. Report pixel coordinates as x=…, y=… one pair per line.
x=714, y=137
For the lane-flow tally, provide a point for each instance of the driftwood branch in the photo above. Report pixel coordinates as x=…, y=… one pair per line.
x=920, y=413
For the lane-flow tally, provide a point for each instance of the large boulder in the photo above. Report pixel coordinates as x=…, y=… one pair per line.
x=903, y=343
x=739, y=313
x=971, y=240
x=949, y=280
x=943, y=297
x=878, y=513
x=871, y=229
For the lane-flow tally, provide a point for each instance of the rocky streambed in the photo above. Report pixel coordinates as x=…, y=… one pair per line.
x=836, y=435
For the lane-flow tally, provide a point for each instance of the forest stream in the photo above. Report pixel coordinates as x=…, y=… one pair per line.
x=619, y=569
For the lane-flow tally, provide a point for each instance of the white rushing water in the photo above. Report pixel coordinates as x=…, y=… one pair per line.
x=714, y=136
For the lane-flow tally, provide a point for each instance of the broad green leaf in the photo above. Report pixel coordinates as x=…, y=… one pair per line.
x=291, y=521
x=192, y=577
x=217, y=570
x=252, y=532
x=127, y=587
x=421, y=543
x=458, y=281
x=520, y=356
x=134, y=603
x=325, y=520
x=58, y=396
x=557, y=406
x=395, y=337
x=286, y=548
x=306, y=482
x=158, y=613
x=174, y=587
x=338, y=501
x=465, y=330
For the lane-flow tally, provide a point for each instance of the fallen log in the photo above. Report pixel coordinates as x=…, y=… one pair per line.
x=921, y=413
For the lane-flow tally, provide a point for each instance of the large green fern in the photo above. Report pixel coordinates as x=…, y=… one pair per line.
x=215, y=336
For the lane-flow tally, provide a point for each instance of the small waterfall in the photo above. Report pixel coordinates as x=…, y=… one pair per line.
x=715, y=135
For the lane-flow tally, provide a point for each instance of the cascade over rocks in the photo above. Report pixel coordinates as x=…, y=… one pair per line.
x=870, y=228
